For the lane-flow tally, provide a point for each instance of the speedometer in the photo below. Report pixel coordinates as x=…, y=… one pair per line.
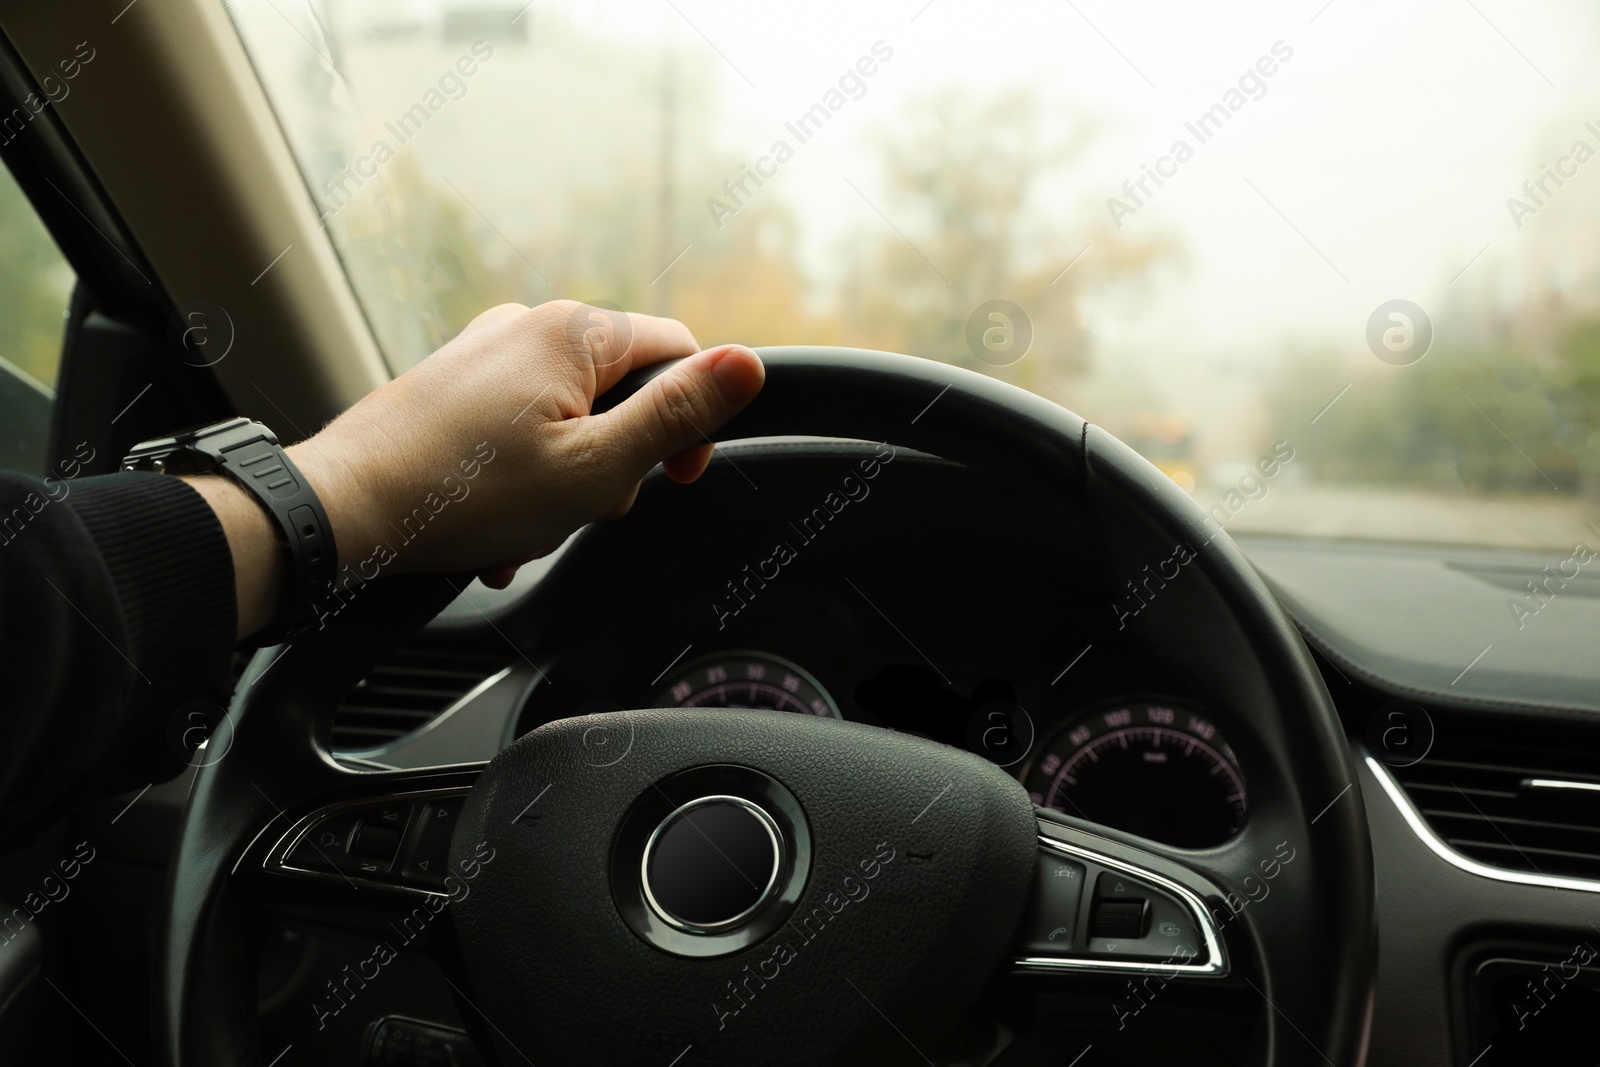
x=745, y=680
x=1154, y=768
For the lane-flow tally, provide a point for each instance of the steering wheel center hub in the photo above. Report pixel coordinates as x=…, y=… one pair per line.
x=710, y=860
x=712, y=864
x=738, y=875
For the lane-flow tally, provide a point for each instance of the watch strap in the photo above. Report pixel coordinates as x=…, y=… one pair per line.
x=249, y=453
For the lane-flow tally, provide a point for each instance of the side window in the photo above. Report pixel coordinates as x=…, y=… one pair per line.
x=35, y=291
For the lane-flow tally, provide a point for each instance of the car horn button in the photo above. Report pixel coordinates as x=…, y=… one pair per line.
x=710, y=860
x=735, y=886
x=712, y=864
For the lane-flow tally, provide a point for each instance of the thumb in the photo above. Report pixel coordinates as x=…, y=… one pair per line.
x=684, y=405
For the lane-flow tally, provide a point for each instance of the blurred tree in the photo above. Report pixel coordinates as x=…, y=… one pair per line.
x=1480, y=412
x=966, y=179
x=966, y=184
x=592, y=247
x=1577, y=375
x=750, y=288
x=35, y=288
x=741, y=283
x=416, y=258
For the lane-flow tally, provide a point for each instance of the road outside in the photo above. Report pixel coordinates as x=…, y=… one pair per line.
x=1381, y=513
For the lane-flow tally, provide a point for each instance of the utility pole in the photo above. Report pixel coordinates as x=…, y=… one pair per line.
x=666, y=192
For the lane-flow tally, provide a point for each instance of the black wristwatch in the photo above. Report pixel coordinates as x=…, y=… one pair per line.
x=249, y=453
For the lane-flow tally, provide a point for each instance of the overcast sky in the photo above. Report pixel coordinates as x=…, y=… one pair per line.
x=1390, y=140
x=1377, y=165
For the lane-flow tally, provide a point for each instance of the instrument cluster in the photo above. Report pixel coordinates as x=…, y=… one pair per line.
x=1152, y=766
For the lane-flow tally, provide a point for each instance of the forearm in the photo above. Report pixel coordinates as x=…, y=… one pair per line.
x=114, y=608
x=260, y=558
x=517, y=383
x=259, y=566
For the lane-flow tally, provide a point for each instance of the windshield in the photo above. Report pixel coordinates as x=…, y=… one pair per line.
x=1331, y=266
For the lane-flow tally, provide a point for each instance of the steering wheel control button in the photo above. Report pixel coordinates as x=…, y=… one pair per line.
x=1126, y=917
x=323, y=847
x=1052, y=922
x=1136, y=920
x=398, y=1041
x=712, y=863
x=376, y=843
x=428, y=860
x=1125, y=920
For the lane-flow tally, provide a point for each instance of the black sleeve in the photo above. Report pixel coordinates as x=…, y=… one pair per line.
x=116, y=607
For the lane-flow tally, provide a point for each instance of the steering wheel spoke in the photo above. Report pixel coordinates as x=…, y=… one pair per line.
x=1123, y=948
x=384, y=842
x=1102, y=906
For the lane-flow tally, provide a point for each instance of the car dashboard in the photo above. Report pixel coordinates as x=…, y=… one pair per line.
x=874, y=585
x=886, y=587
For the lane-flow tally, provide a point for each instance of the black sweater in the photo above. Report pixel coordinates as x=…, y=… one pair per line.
x=116, y=606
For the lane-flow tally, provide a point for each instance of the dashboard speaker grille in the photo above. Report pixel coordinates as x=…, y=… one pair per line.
x=1519, y=800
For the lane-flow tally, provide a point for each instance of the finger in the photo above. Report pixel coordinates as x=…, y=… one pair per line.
x=682, y=406
x=619, y=343
x=689, y=464
x=623, y=506
x=494, y=315
x=499, y=577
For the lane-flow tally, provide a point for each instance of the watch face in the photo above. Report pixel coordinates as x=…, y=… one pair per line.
x=209, y=429
x=177, y=451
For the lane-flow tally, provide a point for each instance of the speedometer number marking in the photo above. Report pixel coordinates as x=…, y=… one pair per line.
x=1155, y=769
x=745, y=680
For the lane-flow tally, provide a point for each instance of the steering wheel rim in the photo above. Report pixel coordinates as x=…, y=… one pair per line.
x=1315, y=946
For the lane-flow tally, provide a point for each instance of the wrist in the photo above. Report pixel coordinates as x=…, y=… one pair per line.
x=350, y=506
x=281, y=535
x=259, y=563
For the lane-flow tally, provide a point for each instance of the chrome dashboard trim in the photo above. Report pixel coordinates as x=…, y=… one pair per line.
x=1557, y=784
x=374, y=754
x=1419, y=826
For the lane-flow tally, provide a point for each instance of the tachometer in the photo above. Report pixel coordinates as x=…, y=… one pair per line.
x=745, y=680
x=1157, y=769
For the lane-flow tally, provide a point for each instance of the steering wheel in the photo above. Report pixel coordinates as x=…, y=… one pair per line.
x=740, y=887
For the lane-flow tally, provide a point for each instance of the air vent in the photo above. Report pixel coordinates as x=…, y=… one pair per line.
x=406, y=691
x=1522, y=796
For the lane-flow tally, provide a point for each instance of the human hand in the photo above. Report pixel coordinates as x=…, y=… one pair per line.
x=485, y=455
